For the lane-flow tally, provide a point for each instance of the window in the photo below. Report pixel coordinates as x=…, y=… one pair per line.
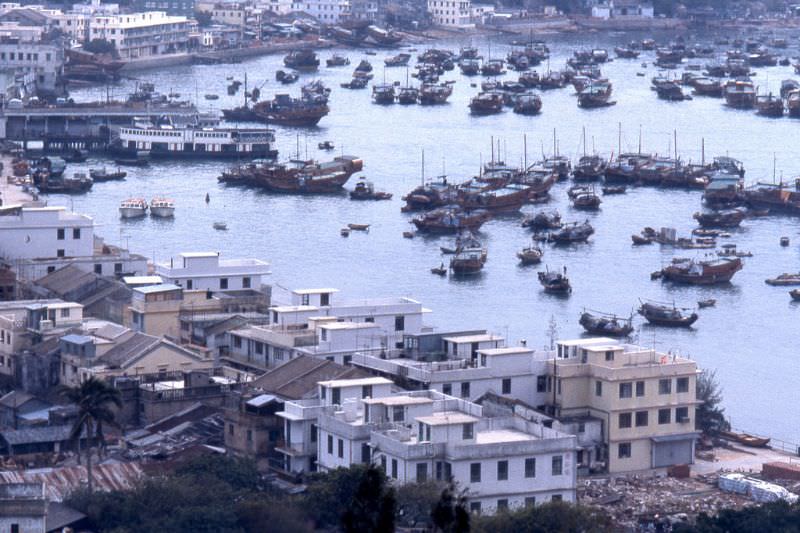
x=556, y=498
x=223, y=283
x=245, y=282
x=313, y=433
x=64, y=313
x=682, y=385
x=117, y=268
x=598, y=388
x=664, y=416
x=422, y=472
x=682, y=414
x=394, y=468
x=76, y=233
x=502, y=470
x=189, y=284
x=60, y=253
x=340, y=449
x=447, y=388
x=230, y=429
x=467, y=431
x=624, y=420
x=581, y=427
x=249, y=435
x=609, y=355
x=51, y=269
x=624, y=450
x=398, y=413
x=399, y=323
x=325, y=299
x=558, y=465
x=530, y=501
x=530, y=467
x=336, y=396
x=465, y=389
x=330, y=444
x=507, y=386
x=641, y=418
x=14, y=528
x=502, y=504
x=625, y=390
x=237, y=342
x=639, y=389
x=475, y=473
x=98, y=269
x=664, y=386
x=541, y=383
x=370, y=320
x=304, y=299
x=475, y=507
x=366, y=391
x=383, y=463
x=60, y=234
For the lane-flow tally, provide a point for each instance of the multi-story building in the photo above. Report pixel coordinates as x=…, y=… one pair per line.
x=39, y=240
x=325, y=11
x=504, y=461
x=170, y=7
x=206, y=271
x=646, y=398
x=44, y=61
x=138, y=35
x=455, y=13
x=278, y=7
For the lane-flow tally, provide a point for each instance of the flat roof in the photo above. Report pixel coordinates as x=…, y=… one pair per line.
x=355, y=382
x=603, y=347
x=349, y=325
x=402, y=399
x=143, y=280
x=313, y=291
x=447, y=418
x=473, y=338
x=507, y=351
x=498, y=436
x=584, y=342
x=293, y=308
x=198, y=254
x=151, y=289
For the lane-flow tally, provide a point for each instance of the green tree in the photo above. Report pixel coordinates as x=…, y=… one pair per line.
x=203, y=18
x=372, y=507
x=450, y=514
x=100, y=46
x=258, y=515
x=95, y=400
x=710, y=415
x=329, y=492
x=415, y=501
x=778, y=516
x=553, y=517
x=240, y=473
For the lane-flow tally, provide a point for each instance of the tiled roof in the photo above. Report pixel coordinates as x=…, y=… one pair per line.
x=298, y=378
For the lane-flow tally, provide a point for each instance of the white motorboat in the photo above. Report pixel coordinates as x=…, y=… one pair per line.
x=162, y=208
x=133, y=208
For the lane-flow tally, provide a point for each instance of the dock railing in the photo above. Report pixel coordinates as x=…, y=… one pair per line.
x=791, y=448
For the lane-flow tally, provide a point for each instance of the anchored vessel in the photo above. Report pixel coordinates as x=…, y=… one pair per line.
x=667, y=315
x=162, y=208
x=133, y=208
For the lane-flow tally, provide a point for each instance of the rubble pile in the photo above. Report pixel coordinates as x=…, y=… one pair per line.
x=640, y=501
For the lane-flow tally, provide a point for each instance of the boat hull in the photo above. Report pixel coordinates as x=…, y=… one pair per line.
x=132, y=212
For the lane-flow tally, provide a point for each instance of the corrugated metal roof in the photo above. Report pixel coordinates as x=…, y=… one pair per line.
x=60, y=482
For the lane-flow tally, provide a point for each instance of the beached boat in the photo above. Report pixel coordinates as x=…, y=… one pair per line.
x=555, y=282
x=365, y=190
x=720, y=219
x=605, y=324
x=104, y=175
x=162, y=208
x=450, y=220
x=667, y=315
x=746, y=439
x=133, y=208
x=701, y=272
x=571, y=233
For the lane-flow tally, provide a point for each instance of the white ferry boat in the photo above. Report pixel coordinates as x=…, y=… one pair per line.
x=133, y=208
x=162, y=208
x=195, y=141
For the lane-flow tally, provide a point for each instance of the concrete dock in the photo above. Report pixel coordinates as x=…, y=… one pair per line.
x=11, y=189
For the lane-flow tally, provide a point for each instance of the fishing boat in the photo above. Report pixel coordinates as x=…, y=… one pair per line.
x=407, y=95
x=507, y=199
x=527, y=104
x=285, y=110
x=555, y=282
x=441, y=270
x=530, y=255
x=365, y=190
x=363, y=66
x=614, y=189
x=720, y=219
x=162, y=208
x=703, y=86
x=301, y=60
x=469, y=258
x=703, y=304
x=486, y=103
x=399, y=60
x=435, y=93
x=309, y=178
x=625, y=168
x=325, y=145
x=605, y=324
x=75, y=156
x=450, y=220
x=220, y=226
x=626, y=52
x=493, y=67
x=589, y=168
x=358, y=227
x=730, y=250
x=596, y=94
x=723, y=189
x=670, y=91
x=701, y=272
x=133, y=208
x=337, y=60
x=573, y=232
x=543, y=220
x=740, y=94
x=586, y=200
x=746, y=439
x=46, y=183
x=211, y=97
x=769, y=106
x=793, y=103
x=784, y=280
x=104, y=175
x=529, y=79
x=469, y=66
x=383, y=93
x=667, y=315
x=435, y=193
x=776, y=197
x=286, y=78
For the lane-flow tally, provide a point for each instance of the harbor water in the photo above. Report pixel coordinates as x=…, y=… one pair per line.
x=750, y=337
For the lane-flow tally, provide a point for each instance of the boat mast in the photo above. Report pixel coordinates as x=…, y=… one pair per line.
x=245, y=89
x=703, y=151
x=640, y=139
x=555, y=149
x=619, y=139
x=423, y=167
x=675, y=145
x=584, y=141
x=525, y=151
x=491, y=140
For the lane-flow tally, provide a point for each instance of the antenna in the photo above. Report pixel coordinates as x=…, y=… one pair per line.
x=423, y=167
x=525, y=150
x=619, y=139
x=640, y=139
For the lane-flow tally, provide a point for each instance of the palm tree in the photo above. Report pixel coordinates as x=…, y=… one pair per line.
x=94, y=399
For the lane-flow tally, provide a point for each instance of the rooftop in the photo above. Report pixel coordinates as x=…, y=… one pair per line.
x=153, y=289
x=446, y=418
x=355, y=382
x=497, y=436
x=467, y=339
x=314, y=291
x=398, y=400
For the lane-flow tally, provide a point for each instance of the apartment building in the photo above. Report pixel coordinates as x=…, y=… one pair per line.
x=417, y=436
x=646, y=398
x=207, y=271
x=139, y=35
x=456, y=13
x=325, y=11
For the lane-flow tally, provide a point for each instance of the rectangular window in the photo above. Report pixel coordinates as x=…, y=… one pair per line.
x=447, y=388
x=641, y=418
x=189, y=284
x=313, y=433
x=624, y=420
x=530, y=501
x=664, y=386
x=399, y=323
x=64, y=313
x=117, y=268
x=502, y=470
x=76, y=233
x=223, y=284
x=422, y=472
x=336, y=396
x=475, y=507
x=366, y=391
x=682, y=385
x=682, y=415
x=245, y=282
x=98, y=269
x=237, y=342
x=664, y=416
x=475, y=473
x=624, y=450
x=249, y=435
x=506, y=386
x=609, y=355
x=398, y=413
x=330, y=444
x=530, y=467
x=60, y=253
x=304, y=299
x=558, y=465
x=598, y=388
x=639, y=389
x=625, y=390
x=60, y=234
x=340, y=449
x=394, y=468
x=465, y=390
x=467, y=431
x=556, y=498
x=324, y=299
x=502, y=505
x=541, y=383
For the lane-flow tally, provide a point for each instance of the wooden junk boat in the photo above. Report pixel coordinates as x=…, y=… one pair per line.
x=469, y=258
x=720, y=219
x=434, y=93
x=586, y=200
x=555, y=282
x=667, y=315
x=450, y=220
x=769, y=105
x=486, y=103
x=746, y=439
x=740, y=94
x=435, y=193
x=543, y=220
x=605, y=324
x=307, y=177
x=365, y=190
x=573, y=232
x=589, y=168
x=596, y=94
x=508, y=199
x=530, y=255
x=705, y=272
x=104, y=175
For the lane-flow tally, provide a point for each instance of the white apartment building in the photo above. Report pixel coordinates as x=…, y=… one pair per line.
x=44, y=61
x=206, y=271
x=40, y=240
x=456, y=13
x=423, y=435
x=325, y=11
x=279, y=7
x=138, y=35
